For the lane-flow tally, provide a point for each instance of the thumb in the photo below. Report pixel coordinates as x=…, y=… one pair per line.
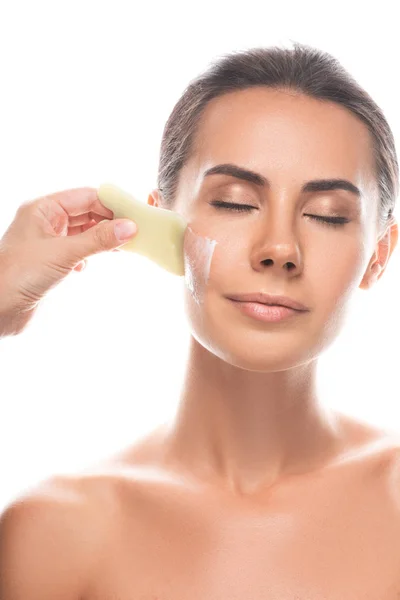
x=106, y=235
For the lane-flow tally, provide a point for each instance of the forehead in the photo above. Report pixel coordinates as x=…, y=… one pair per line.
x=284, y=135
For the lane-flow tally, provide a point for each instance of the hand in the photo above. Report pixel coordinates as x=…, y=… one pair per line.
x=50, y=237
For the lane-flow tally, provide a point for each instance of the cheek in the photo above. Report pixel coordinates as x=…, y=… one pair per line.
x=339, y=266
x=331, y=277
x=214, y=264
x=230, y=266
x=198, y=257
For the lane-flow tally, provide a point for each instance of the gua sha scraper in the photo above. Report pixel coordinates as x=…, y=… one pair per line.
x=160, y=232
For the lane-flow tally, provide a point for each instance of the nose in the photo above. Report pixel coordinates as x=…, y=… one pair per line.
x=281, y=257
x=277, y=248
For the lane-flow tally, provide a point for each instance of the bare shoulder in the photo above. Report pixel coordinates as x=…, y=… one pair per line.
x=50, y=539
x=377, y=454
x=54, y=537
x=368, y=440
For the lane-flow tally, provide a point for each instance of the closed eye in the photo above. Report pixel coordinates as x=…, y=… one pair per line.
x=232, y=206
x=330, y=221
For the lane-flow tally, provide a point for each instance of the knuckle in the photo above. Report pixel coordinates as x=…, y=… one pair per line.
x=101, y=238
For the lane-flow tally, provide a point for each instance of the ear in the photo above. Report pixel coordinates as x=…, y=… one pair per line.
x=384, y=248
x=154, y=198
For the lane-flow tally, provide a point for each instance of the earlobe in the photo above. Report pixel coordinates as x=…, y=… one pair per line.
x=371, y=276
x=375, y=271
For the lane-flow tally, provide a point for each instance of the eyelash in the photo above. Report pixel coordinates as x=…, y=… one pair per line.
x=330, y=221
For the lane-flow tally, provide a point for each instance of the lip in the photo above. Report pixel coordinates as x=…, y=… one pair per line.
x=269, y=299
x=263, y=312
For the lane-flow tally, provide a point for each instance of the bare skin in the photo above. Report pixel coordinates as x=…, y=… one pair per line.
x=256, y=489
x=49, y=238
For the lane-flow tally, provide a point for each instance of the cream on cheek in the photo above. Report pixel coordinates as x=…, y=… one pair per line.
x=218, y=261
x=198, y=254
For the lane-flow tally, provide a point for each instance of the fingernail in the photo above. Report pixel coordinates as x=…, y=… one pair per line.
x=125, y=229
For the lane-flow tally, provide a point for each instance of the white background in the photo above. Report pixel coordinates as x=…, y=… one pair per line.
x=86, y=88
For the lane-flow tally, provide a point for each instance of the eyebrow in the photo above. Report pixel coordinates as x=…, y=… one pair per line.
x=315, y=185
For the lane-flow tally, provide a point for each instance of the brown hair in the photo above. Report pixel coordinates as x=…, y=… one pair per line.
x=307, y=70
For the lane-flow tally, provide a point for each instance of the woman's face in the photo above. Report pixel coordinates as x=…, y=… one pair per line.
x=288, y=139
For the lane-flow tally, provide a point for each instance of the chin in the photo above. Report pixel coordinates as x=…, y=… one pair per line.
x=251, y=345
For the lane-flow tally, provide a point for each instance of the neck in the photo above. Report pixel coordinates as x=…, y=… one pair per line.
x=246, y=430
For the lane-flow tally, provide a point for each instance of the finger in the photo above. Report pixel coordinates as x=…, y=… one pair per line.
x=81, y=228
x=84, y=227
x=78, y=201
x=74, y=230
x=53, y=214
x=79, y=220
x=86, y=218
x=96, y=217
